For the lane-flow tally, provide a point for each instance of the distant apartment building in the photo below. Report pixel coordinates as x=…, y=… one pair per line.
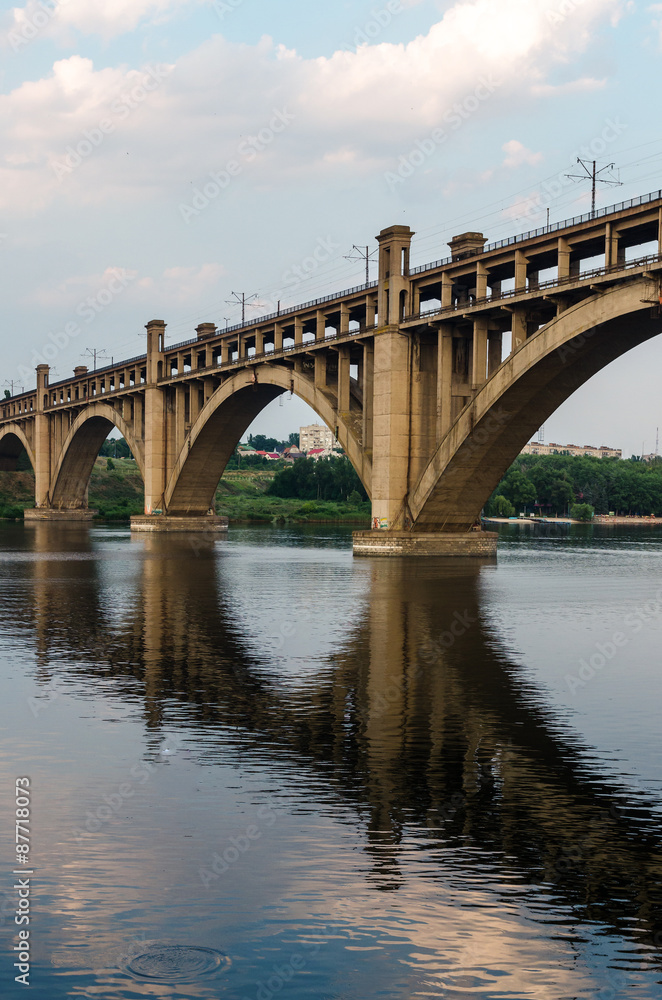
x=583, y=451
x=317, y=436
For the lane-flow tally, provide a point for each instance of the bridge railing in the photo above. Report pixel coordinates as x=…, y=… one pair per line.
x=532, y=234
x=269, y=354
x=595, y=272
x=288, y=311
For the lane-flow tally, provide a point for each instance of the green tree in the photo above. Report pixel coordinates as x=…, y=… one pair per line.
x=581, y=512
x=519, y=489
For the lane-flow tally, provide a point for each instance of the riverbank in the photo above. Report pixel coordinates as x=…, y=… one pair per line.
x=116, y=491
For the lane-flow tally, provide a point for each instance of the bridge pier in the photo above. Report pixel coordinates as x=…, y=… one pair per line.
x=38, y=515
x=428, y=543
x=166, y=522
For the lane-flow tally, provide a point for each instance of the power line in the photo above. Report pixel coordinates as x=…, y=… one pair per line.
x=594, y=177
x=243, y=300
x=92, y=352
x=363, y=255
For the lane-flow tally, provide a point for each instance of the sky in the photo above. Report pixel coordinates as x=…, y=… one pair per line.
x=160, y=155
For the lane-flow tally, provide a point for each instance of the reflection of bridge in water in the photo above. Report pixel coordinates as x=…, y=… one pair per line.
x=422, y=722
x=433, y=378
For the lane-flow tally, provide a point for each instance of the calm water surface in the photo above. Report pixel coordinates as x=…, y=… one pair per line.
x=261, y=768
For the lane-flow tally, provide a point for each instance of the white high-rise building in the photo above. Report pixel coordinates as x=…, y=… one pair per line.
x=316, y=436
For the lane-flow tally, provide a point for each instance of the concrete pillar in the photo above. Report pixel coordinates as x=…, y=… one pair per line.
x=278, y=337
x=155, y=472
x=370, y=311
x=481, y=280
x=181, y=392
x=343, y=381
x=390, y=444
x=444, y=379
x=194, y=401
x=320, y=325
x=518, y=327
x=479, y=360
x=446, y=291
x=42, y=444
x=394, y=244
x=344, y=319
x=298, y=331
x=225, y=352
x=520, y=271
x=611, y=245
x=494, y=351
x=320, y=370
x=368, y=391
x=659, y=231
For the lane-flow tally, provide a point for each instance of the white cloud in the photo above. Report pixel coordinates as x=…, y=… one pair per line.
x=584, y=83
x=517, y=154
x=107, y=19
x=175, y=286
x=352, y=112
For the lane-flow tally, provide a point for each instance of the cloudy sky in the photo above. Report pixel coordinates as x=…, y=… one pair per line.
x=158, y=155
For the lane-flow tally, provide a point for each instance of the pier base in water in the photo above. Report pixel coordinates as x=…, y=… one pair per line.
x=37, y=515
x=165, y=522
x=433, y=543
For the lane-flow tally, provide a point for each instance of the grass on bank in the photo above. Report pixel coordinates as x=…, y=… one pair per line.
x=116, y=491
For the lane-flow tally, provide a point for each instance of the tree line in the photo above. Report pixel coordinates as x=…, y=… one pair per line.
x=553, y=484
x=325, y=479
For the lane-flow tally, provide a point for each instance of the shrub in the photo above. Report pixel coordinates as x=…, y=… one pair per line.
x=581, y=512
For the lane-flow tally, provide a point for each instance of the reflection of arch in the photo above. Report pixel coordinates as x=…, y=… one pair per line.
x=518, y=398
x=12, y=443
x=223, y=420
x=80, y=449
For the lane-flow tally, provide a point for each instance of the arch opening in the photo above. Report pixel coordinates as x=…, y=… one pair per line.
x=519, y=397
x=14, y=454
x=84, y=444
x=223, y=421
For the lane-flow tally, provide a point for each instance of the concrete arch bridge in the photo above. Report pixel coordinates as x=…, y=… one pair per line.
x=432, y=379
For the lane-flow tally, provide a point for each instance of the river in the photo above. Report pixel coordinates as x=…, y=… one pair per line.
x=259, y=767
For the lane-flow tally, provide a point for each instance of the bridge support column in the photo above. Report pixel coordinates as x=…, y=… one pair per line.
x=479, y=356
x=390, y=440
x=42, y=444
x=444, y=380
x=154, y=421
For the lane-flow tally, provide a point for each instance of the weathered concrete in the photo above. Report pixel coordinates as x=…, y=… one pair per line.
x=163, y=522
x=408, y=372
x=408, y=543
x=39, y=514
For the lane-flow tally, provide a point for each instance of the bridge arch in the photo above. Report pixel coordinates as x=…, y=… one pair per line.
x=521, y=394
x=79, y=451
x=12, y=442
x=225, y=417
